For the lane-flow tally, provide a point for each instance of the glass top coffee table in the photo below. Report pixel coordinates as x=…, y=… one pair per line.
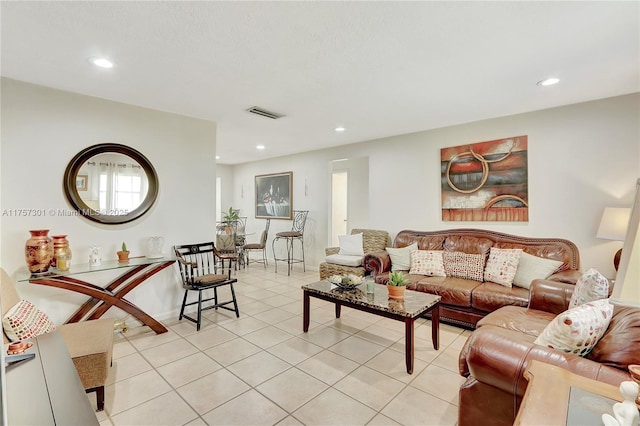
x=415, y=305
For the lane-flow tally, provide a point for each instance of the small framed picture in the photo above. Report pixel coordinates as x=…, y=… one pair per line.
x=81, y=182
x=274, y=196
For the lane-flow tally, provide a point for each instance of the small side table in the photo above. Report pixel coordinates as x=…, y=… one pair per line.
x=546, y=400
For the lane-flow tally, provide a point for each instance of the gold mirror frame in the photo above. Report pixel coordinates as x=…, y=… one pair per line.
x=76, y=201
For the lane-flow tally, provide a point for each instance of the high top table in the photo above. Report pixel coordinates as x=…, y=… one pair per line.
x=134, y=272
x=416, y=304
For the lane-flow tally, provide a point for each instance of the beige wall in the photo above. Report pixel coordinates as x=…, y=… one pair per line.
x=42, y=129
x=582, y=158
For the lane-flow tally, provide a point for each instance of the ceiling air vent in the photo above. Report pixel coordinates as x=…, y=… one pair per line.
x=263, y=112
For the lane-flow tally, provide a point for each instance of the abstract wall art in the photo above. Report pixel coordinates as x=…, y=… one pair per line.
x=486, y=181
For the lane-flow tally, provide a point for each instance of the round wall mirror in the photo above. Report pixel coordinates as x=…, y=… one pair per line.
x=110, y=183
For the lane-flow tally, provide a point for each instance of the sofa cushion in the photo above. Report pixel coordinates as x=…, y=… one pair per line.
x=24, y=321
x=533, y=267
x=502, y=265
x=463, y=265
x=351, y=245
x=90, y=344
x=592, y=285
x=401, y=257
x=619, y=345
x=527, y=321
x=579, y=329
x=345, y=260
x=491, y=296
x=468, y=244
x=427, y=262
x=454, y=291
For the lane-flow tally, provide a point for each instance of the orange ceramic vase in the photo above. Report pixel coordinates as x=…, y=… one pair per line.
x=38, y=251
x=396, y=292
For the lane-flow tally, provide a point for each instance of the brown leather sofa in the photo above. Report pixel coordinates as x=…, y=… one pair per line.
x=497, y=353
x=465, y=302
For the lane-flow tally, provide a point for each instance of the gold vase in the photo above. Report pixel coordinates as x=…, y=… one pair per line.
x=61, y=252
x=38, y=251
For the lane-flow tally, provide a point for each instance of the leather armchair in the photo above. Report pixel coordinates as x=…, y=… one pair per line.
x=496, y=355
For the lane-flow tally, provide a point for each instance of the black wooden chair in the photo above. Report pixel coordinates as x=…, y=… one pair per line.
x=198, y=265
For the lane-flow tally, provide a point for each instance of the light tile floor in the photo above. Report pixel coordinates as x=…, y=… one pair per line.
x=261, y=369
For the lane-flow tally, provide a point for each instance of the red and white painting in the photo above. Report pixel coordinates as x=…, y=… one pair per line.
x=486, y=181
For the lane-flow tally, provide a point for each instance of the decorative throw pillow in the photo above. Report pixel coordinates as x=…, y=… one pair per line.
x=345, y=260
x=463, y=265
x=351, y=245
x=24, y=320
x=592, y=285
x=401, y=257
x=533, y=267
x=579, y=329
x=427, y=262
x=502, y=265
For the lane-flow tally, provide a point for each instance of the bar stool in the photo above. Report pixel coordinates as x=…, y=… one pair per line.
x=296, y=233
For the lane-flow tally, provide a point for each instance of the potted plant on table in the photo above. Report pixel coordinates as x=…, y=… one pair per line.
x=229, y=218
x=397, y=285
x=123, y=255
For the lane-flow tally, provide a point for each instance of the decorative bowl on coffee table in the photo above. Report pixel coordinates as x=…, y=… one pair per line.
x=346, y=282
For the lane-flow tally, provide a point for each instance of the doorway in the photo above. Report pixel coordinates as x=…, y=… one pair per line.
x=339, y=203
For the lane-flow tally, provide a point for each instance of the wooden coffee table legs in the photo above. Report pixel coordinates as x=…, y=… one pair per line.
x=408, y=323
x=409, y=340
x=409, y=343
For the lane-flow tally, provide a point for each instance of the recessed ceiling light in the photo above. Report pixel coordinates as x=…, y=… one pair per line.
x=340, y=129
x=548, y=82
x=259, y=146
x=217, y=157
x=101, y=62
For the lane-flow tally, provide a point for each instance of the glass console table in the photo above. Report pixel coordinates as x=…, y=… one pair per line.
x=134, y=272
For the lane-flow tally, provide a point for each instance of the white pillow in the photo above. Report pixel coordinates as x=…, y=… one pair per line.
x=24, y=321
x=351, y=245
x=579, y=329
x=401, y=257
x=532, y=268
x=592, y=285
x=345, y=260
x=427, y=262
x=502, y=265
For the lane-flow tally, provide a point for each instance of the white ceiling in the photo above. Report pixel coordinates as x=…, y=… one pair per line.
x=377, y=68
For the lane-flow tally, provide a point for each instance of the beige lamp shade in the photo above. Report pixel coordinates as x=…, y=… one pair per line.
x=626, y=290
x=614, y=222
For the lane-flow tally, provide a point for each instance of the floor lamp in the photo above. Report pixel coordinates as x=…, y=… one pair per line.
x=613, y=226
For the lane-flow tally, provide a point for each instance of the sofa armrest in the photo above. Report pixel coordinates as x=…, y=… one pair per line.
x=377, y=262
x=331, y=250
x=499, y=357
x=550, y=296
x=570, y=276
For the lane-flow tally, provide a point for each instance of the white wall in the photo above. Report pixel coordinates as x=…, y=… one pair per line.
x=582, y=158
x=43, y=128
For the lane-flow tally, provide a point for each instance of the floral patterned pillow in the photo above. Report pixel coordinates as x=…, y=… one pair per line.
x=502, y=266
x=24, y=321
x=463, y=265
x=592, y=285
x=427, y=262
x=579, y=329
